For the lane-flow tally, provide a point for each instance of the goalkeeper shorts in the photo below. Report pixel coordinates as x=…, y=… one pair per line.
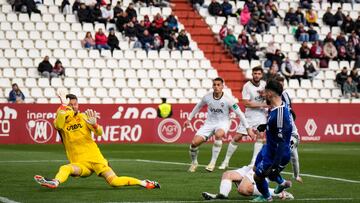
x=88, y=167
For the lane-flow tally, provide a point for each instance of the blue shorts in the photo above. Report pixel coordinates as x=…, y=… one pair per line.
x=264, y=161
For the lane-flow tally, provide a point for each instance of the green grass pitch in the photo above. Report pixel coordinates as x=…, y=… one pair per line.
x=19, y=163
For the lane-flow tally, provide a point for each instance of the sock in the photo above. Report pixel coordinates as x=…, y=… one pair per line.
x=116, y=181
x=194, y=154
x=64, y=172
x=216, y=151
x=271, y=190
x=295, y=162
x=225, y=187
x=230, y=151
x=263, y=188
x=257, y=148
x=256, y=192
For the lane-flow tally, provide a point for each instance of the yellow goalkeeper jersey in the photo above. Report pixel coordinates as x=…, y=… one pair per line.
x=76, y=136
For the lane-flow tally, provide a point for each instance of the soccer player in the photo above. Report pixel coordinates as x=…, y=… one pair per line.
x=295, y=138
x=244, y=180
x=82, y=152
x=275, y=154
x=217, y=123
x=255, y=114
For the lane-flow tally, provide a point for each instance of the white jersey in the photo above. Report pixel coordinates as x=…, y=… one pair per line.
x=251, y=92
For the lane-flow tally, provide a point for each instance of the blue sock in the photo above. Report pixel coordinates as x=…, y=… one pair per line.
x=278, y=179
x=263, y=188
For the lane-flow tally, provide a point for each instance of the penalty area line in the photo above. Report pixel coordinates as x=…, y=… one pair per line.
x=6, y=200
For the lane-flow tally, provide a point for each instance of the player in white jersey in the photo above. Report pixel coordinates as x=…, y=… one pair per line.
x=255, y=113
x=244, y=180
x=217, y=122
x=295, y=137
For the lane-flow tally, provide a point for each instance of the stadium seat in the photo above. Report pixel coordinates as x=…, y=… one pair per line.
x=325, y=93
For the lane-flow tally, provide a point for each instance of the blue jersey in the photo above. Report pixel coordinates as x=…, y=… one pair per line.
x=278, y=132
x=286, y=99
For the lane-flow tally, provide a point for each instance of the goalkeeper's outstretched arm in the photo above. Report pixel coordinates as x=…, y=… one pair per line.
x=63, y=113
x=91, y=122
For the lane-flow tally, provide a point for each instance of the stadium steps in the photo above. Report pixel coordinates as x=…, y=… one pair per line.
x=219, y=57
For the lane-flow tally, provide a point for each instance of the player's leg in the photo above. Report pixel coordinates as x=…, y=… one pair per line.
x=233, y=145
x=261, y=166
x=201, y=136
x=219, y=134
x=64, y=172
x=260, y=139
x=116, y=181
x=294, y=142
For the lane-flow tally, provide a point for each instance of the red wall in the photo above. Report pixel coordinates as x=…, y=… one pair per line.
x=32, y=123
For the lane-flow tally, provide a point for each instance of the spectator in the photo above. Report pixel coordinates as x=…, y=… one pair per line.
x=341, y=78
x=348, y=25
x=310, y=70
x=291, y=18
x=357, y=24
x=122, y=20
x=239, y=50
x=253, y=25
x=84, y=14
x=243, y=36
x=223, y=31
x=131, y=32
x=350, y=51
x=329, y=19
x=46, y=69
x=245, y=16
x=183, y=41
x=313, y=35
x=58, y=69
x=165, y=31
x=113, y=41
x=88, y=42
x=97, y=14
x=230, y=39
x=16, y=95
x=26, y=6
x=354, y=38
x=215, y=8
x=158, y=42
x=329, y=38
x=172, y=22
x=117, y=10
x=274, y=9
x=65, y=7
x=342, y=55
x=350, y=89
x=270, y=49
x=76, y=6
x=311, y=17
x=250, y=5
x=131, y=11
x=164, y=109
x=304, y=50
x=269, y=16
x=355, y=76
x=299, y=71
x=147, y=21
x=158, y=20
x=264, y=24
x=253, y=47
x=275, y=66
x=330, y=51
x=301, y=34
x=287, y=69
x=226, y=8
x=300, y=16
x=101, y=40
x=172, y=41
x=271, y=74
x=147, y=41
x=278, y=57
x=317, y=50
x=197, y=4
x=339, y=17
x=305, y=4
x=108, y=13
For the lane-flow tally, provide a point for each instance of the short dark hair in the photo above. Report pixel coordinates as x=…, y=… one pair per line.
x=280, y=78
x=258, y=68
x=71, y=96
x=274, y=86
x=219, y=79
x=163, y=100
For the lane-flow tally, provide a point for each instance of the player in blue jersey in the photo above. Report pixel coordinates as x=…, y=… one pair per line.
x=275, y=154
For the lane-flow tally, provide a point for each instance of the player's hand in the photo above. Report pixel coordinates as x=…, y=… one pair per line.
x=91, y=114
x=61, y=93
x=186, y=123
x=251, y=133
x=299, y=179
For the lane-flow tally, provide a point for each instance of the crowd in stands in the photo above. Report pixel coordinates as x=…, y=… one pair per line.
x=46, y=69
x=349, y=83
x=16, y=95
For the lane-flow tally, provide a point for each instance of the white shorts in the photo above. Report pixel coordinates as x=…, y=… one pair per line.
x=208, y=129
x=246, y=171
x=253, y=124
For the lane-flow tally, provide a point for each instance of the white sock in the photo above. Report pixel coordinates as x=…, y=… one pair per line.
x=216, y=151
x=257, y=148
x=230, y=151
x=143, y=183
x=194, y=154
x=256, y=192
x=225, y=187
x=271, y=190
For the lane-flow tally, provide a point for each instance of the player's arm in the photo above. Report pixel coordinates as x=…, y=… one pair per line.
x=234, y=107
x=62, y=114
x=196, y=109
x=91, y=122
x=250, y=104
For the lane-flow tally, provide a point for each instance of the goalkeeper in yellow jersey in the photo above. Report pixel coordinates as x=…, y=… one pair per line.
x=81, y=150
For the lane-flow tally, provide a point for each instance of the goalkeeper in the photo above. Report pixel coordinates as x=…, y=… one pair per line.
x=81, y=150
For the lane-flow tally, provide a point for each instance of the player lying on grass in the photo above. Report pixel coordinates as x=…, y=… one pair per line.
x=244, y=181
x=82, y=152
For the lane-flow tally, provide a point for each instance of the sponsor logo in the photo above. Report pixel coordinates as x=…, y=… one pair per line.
x=40, y=130
x=310, y=128
x=6, y=114
x=135, y=113
x=342, y=129
x=216, y=110
x=74, y=127
x=169, y=130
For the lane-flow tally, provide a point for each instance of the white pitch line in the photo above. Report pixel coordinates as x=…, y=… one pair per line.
x=244, y=200
x=6, y=200
x=178, y=163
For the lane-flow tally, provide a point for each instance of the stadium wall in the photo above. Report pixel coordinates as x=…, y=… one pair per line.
x=138, y=123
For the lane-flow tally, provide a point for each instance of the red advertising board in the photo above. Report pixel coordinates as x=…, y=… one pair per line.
x=138, y=123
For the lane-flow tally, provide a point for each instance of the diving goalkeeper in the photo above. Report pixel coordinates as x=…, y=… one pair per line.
x=82, y=152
